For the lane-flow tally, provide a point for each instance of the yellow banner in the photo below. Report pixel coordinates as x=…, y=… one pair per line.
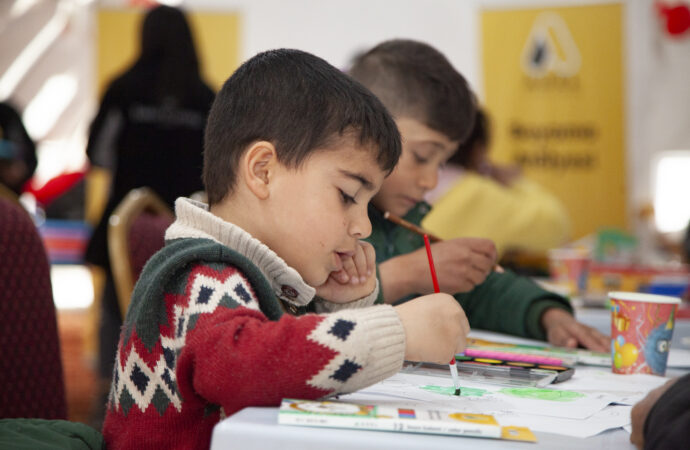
x=216, y=38
x=553, y=81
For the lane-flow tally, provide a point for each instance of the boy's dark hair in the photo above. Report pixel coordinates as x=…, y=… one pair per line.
x=298, y=102
x=415, y=80
x=479, y=135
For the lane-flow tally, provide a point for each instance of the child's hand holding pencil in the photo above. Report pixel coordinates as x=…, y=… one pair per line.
x=461, y=264
x=436, y=328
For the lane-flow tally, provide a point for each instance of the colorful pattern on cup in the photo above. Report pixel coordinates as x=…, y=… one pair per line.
x=641, y=336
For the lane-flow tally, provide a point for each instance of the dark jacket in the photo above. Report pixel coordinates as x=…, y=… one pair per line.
x=146, y=141
x=668, y=424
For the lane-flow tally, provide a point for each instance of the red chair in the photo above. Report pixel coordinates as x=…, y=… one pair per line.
x=31, y=378
x=136, y=231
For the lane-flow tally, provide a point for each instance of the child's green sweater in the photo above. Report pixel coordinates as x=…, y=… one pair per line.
x=504, y=302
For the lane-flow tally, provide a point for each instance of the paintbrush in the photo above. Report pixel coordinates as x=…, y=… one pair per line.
x=410, y=226
x=451, y=364
x=421, y=231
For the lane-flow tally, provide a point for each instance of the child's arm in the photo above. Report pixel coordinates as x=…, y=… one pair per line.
x=240, y=358
x=236, y=357
x=512, y=304
x=461, y=264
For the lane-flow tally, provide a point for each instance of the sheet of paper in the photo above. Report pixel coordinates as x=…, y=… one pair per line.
x=421, y=390
x=613, y=416
x=624, y=389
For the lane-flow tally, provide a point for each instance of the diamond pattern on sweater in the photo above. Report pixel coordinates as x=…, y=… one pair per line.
x=137, y=383
x=341, y=329
x=142, y=394
x=160, y=401
x=204, y=294
x=242, y=293
x=126, y=401
x=345, y=371
x=139, y=379
x=339, y=332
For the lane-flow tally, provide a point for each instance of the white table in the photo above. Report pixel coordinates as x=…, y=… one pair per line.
x=257, y=428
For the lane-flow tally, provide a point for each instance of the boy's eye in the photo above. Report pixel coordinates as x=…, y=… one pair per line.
x=348, y=200
x=419, y=159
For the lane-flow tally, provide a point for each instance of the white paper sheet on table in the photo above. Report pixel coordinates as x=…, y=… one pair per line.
x=407, y=389
x=624, y=389
x=613, y=416
x=581, y=417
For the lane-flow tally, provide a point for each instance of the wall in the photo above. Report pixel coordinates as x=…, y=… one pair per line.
x=335, y=30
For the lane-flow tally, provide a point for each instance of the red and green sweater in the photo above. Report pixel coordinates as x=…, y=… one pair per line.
x=206, y=336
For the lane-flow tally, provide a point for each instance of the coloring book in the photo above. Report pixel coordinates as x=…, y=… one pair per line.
x=340, y=414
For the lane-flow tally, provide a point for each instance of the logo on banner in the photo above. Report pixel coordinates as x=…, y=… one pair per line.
x=550, y=48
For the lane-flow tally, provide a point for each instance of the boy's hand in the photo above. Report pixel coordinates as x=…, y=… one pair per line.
x=355, y=280
x=563, y=330
x=640, y=411
x=461, y=264
x=436, y=328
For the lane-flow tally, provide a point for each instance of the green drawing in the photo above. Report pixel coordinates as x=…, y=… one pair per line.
x=542, y=394
x=450, y=390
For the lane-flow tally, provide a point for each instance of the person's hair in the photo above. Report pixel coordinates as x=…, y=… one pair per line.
x=167, y=52
x=299, y=103
x=479, y=135
x=415, y=80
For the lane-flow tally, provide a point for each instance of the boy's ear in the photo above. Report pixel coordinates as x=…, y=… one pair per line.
x=258, y=167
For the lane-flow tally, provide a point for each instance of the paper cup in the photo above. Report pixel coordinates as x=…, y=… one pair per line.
x=570, y=266
x=641, y=331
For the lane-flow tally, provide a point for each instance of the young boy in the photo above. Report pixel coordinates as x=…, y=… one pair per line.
x=294, y=151
x=434, y=110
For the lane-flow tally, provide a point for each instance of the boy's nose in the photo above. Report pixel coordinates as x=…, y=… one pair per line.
x=360, y=226
x=428, y=178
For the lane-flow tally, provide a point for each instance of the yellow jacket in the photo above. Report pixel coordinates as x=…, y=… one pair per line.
x=523, y=216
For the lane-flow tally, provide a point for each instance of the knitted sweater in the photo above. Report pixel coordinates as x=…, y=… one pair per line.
x=504, y=302
x=205, y=336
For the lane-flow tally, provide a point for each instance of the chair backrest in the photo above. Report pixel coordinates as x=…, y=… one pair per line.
x=31, y=378
x=136, y=231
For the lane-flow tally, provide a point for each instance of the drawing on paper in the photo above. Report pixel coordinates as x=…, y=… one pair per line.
x=542, y=394
x=450, y=390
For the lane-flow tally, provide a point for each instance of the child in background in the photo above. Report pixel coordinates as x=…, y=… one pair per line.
x=223, y=316
x=474, y=195
x=434, y=110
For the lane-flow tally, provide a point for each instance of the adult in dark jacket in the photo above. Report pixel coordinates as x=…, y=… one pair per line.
x=148, y=132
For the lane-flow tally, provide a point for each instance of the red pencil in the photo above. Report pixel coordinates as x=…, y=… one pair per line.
x=437, y=289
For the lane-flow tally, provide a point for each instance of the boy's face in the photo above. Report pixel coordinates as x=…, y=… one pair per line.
x=424, y=150
x=319, y=210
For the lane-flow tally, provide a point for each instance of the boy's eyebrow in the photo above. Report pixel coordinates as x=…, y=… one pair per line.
x=434, y=144
x=359, y=177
